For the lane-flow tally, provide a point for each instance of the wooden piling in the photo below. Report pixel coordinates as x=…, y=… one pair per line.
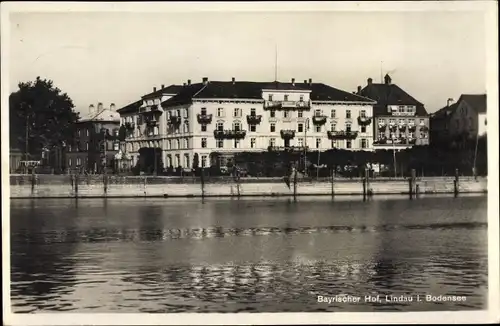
x=412, y=183
x=33, y=182
x=105, y=183
x=76, y=185
x=333, y=179
x=295, y=184
x=456, y=184
x=202, y=179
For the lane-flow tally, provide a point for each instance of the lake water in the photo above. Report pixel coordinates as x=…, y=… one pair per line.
x=246, y=255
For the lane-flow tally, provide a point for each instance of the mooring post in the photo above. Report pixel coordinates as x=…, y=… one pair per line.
x=364, y=188
x=33, y=182
x=412, y=183
x=333, y=187
x=76, y=185
x=295, y=184
x=367, y=178
x=456, y=183
x=105, y=183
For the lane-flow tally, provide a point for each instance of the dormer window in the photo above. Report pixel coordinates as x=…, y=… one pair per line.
x=270, y=97
x=286, y=97
x=302, y=98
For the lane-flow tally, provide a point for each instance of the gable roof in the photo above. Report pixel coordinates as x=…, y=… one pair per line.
x=132, y=107
x=171, y=90
x=105, y=115
x=253, y=90
x=390, y=94
x=476, y=101
x=445, y=111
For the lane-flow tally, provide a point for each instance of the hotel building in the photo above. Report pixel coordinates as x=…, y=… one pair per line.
x=176, y=122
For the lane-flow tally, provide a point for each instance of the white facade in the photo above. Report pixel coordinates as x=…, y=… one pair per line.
x=183, y=130
x=466, y=119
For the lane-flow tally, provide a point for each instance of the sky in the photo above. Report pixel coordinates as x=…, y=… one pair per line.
x=116, y=57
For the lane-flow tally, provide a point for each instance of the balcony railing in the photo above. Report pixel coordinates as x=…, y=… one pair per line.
x=151, y=122
x=412, y=127
x=382, y=128
x=230, y=134
x=254, y=119
x=424, y=128
x=296, y=149
x=319, y=119
x=283, y=105
x=393, y=127
x=402, y=127
x=287, y=134
x=342, y=134
x=364, y=121
x=397, y=141
x=204, y=118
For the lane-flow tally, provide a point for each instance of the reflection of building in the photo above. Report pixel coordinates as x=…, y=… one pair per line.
x=400, y=120
x=15, y=158
x=232, y=116
x=96, y=141
x=465, y=117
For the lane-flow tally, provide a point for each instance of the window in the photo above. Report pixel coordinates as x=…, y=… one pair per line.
x=317, y=113
x=333, y=114
x=318, y=128
x=302, y=98
x=237, y=112
x=79, y=132
x=203, y=143
x=253, y=128
x=186, y=113
x=220, y=126
x=411, y=121
x=286, y=97
x=178, y=113
x=186, y=161
x=178, y=144
x=186, y=143
x=333, y=126
x=87, y=145
x=401, y=121
x=252, y=112
x=334, y=143
x=78, y=161
x=348, y=143
x=392, y=121
x=348, y=127
x=286, y=114
x=364, y=143
x=203, y=127
x=116, y=146
x=236, y=143
x=87, y=132
x=300, y=127
x=300, y=142
x=186, y=126
x=272, y=142
x=410, y=135
x=362, y=113
x=273, y=127
x=70, y=163
x=348, y=114
x=220, y=143
x=270, y=97
x=363, y=128
x=169, y=144
x=237, y=126
x=318, y=142
x=203, y=161
x=220, y=112
x=272, y=113
x=252, y=142
x=203, y=111
x=177, y=160
x=421, y=121
x=300, y=114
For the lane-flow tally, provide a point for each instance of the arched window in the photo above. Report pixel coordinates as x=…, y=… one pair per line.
x=220, y=126
x=186, y=126
x=237, y=125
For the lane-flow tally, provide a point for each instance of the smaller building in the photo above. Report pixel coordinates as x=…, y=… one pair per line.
x=15, y=158
x=95, y=141
x=399, y=119
x=464, y=119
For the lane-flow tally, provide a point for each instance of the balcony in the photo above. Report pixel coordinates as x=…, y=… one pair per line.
x=287, y=134
x=382, y=127
x=380, y=141
x=204, y=118
x=402, y=128
x=254, y=119
x=230, y=134
x=364, y=121
x=174, y=120
x=393, y=127
x=287, y=105
x=342, y=134
x=412, y=127
x=424, y=128
x=150, y=109
x=319, y=120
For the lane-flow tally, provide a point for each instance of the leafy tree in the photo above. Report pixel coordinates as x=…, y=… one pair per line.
x=45, y=112
x=196, y=161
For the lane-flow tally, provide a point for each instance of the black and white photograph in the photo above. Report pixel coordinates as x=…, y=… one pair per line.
x=250, y=163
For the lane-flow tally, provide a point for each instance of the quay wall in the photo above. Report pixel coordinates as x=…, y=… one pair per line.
x=66, y=186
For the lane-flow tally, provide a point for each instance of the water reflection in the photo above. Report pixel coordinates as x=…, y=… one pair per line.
x=244, y=255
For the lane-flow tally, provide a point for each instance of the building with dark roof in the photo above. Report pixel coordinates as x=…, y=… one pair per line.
x=399, y=119
x=466, y=117
x=232, y=116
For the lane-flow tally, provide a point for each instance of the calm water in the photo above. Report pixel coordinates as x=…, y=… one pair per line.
x=253, y=255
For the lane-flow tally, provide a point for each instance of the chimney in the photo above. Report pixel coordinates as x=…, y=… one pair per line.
x=305, y=81
x=184, y=84
x=205, y=80
x=359, y=89
x=448, y=101
x=233, y=80
x=293, y=81
x=91, y=108
x=387, y=79
x=112, y=106
x=162, y=86
x=189, y=81
x=99, y=107
x=154, y=89
x=369, y=81
x=310, y=81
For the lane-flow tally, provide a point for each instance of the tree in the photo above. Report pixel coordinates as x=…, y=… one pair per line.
x=41, y=117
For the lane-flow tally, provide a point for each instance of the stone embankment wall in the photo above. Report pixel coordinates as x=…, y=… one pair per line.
x=67, y=186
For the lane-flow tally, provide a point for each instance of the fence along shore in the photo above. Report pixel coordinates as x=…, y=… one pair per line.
x=112, y=186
